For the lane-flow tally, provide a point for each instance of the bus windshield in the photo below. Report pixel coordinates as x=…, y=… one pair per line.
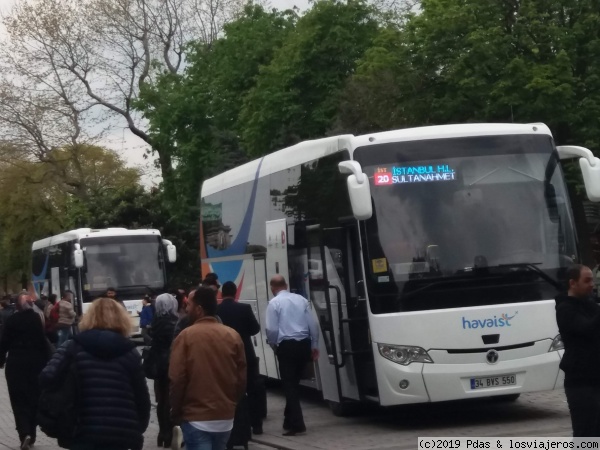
x=131, y=264
x=465, y=222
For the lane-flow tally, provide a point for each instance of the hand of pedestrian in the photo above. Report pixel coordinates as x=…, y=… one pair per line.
x=315, y=354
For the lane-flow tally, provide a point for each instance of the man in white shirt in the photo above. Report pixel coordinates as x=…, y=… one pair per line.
x=293, y=332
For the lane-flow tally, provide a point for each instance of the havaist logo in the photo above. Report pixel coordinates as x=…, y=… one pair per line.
x=493, y=322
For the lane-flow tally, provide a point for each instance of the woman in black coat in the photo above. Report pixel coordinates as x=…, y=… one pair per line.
x=161, y=331
x=114, y=404
x=28, y=351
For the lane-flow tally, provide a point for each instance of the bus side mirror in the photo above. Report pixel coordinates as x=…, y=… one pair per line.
x=590, y=168
x=78, y=256
x=359, y=189
x=171, y=251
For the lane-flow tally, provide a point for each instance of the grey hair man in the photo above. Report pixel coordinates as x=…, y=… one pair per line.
x=293, y=332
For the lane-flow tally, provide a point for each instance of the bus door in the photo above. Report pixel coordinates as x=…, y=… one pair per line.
x=267, y=365
x=334, y=279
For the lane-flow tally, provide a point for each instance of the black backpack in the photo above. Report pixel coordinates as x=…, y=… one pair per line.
x=58, y=412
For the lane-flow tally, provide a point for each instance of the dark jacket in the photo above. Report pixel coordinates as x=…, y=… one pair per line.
x=240, y=317
x=24, y=340
x=114, y=399
x=5, y=313
x=162, y=331
x=579, y=326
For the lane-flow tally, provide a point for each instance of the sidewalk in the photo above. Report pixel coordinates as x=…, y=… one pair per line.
x=10, y=440
x=539, y=414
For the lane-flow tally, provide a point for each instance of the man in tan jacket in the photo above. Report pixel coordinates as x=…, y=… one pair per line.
x=207, y=372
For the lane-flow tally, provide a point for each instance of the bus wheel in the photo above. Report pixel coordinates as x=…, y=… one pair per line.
x=339, y=409
x=507, y=398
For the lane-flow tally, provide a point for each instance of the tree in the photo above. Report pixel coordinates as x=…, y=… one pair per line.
x=93, y=56
x=39, y=199
x=462, y=61
x=297, y=95
x=197, y=113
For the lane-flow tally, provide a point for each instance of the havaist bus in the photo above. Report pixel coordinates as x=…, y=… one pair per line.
x=430, y=256
x=89, y=261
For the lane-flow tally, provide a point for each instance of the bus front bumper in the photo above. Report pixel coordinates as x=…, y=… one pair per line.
x=433, y=382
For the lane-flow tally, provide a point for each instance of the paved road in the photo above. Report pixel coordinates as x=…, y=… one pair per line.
x=9, y=438
x=540, y=414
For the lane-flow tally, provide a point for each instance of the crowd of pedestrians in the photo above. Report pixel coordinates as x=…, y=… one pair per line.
x=198, y=352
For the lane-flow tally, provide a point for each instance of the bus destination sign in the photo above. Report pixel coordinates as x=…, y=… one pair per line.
x=413, y=174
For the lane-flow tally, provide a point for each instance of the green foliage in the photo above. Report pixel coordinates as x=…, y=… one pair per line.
x=196, y=115
x=70, y=188
x=133, y=207
x=296, y=96
x=474, y=61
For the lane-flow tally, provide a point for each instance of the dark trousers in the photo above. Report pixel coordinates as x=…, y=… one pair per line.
x=24, y=393
x=254, y=393
x=293, y=357
x=163, y=408
x=584, y=404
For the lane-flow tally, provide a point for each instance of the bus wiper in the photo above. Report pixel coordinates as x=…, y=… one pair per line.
x=533, y=268
x=453, y=280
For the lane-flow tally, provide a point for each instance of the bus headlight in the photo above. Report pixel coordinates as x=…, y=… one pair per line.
x=557, y=344
x=404, y=354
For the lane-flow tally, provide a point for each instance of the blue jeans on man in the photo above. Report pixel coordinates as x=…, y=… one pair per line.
x=63, y=335
x=196, y=439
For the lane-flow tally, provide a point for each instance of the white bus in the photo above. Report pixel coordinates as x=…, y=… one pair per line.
x=431, y=256
x=89, y=261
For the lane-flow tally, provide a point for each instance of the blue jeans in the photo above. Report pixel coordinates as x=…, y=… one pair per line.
x=63, y=335
x=196, y=439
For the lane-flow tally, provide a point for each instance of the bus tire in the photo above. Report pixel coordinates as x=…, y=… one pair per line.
x=339, y=409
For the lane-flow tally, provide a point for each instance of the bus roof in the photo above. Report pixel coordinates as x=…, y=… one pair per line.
x=306, y=151
x=80, y=233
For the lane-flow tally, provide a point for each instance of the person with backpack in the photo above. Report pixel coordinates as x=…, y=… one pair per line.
x=24, y=340
x=114, y=403
x=66, y=317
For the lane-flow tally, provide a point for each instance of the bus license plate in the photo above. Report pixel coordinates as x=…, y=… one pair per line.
x=489, y=382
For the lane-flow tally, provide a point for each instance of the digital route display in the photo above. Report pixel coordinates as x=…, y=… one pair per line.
x=384, y=176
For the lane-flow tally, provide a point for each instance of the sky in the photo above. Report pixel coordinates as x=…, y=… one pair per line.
x=131, y=148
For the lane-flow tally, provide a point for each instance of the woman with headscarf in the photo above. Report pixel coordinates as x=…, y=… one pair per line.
x=162, y=331
x=24, y=340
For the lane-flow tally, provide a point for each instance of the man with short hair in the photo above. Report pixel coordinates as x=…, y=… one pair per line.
x=207, y=372
x=578, y=319
x=111, y=292
x=292, y=330
x=240, y=317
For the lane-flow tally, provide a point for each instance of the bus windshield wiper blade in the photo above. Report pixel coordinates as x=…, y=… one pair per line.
x=533, y=267
x=449, y=280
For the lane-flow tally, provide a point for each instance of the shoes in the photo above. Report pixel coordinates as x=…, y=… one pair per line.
x=26, y=443
x=160, y=441
x=294, y=432
x=167, y=440
x=257, y=430
x=177, y=441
